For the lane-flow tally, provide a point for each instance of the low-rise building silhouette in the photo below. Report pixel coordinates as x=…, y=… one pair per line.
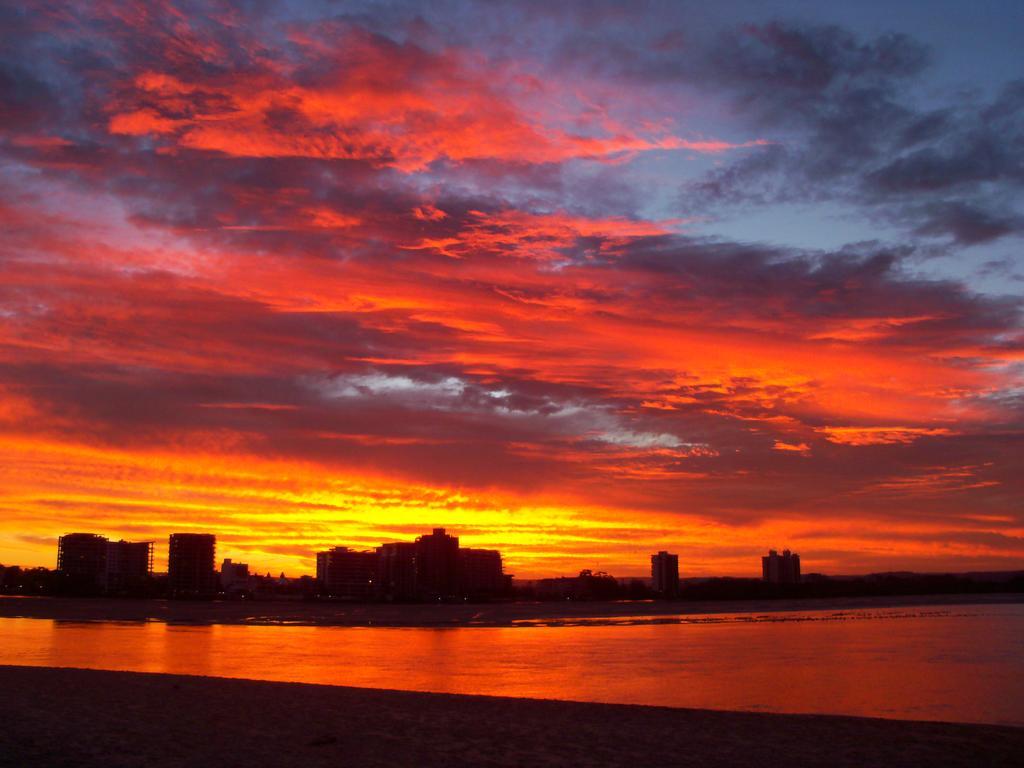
x=781, y=569
x=587, y=586
x=190, y=565
x=665, y=574
x=344, y=572
x=234, y=577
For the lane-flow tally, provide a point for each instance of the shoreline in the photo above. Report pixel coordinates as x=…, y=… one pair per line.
x=315, y=613
x=96, y=718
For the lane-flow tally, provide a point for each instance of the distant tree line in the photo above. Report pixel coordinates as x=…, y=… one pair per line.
x=874, y=585
x=601, y=586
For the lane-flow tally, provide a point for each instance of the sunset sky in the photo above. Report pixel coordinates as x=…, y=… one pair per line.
x=576, y=281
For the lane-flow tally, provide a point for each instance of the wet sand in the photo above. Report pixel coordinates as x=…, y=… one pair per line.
x=87, y=718
x=445, y=615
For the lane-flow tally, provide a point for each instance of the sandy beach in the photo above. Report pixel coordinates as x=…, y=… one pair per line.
x=72, y=717
x=299, y=613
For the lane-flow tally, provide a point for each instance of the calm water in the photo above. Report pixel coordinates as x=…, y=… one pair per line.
x=959, y=663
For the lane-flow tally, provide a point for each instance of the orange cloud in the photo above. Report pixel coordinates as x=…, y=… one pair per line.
x=536, y=236
x=796, y=447
x=880, y=435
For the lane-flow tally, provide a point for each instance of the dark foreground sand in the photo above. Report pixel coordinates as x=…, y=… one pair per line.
x=85, y=718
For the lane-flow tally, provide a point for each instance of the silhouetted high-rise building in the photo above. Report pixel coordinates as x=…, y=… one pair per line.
x=665, y=574
x=190, y=565
x=396, y=571
x=480, y=573
x=433, y=567
x=343, y=572
x=82, y=559
x=437, y=565
x=781, y=569
x=129, y=565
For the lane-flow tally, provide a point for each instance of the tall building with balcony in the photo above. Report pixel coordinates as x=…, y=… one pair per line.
x=190, y=565
x=129, y=565
x=665, y=574
x=82, y=561
x=344, y=572
x=781, y=569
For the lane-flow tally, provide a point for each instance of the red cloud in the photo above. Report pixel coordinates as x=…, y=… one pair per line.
x=881, y=435
x=375, y=101
x=536, y=236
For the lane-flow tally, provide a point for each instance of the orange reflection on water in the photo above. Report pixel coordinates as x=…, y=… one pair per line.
x=898, y=663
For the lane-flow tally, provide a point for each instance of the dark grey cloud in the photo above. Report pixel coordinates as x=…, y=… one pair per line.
x=842, y=111
x=777, y=283
x=967, y=223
